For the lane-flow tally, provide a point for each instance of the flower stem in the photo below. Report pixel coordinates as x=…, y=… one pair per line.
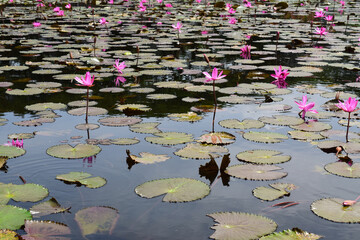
x=87, y=105
x=215, y=106
x=347, y=129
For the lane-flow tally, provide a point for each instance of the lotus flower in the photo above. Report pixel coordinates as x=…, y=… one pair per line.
x=306, y=107
x=119, y=66
x=214, y=76
x=178, y=26
x=87, y=81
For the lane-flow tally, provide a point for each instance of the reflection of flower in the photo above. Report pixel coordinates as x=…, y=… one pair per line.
x=89, y=160
x=119, y=79
x=246, y=52
x=306, y=107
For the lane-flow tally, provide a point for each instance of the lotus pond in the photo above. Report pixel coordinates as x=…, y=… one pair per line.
x=149, y=147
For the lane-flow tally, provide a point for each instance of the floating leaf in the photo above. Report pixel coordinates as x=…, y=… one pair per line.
x=255, y=172
x=275, y=191
x=12, y=217
x=86, y=126
x=96, y=220
x=312, y=126
x=138, y=107
x=45, y=230
x=21, y=135
x=170, y=138
x=92, y=111
x=45, y=106
x=281, y=120
x=175, y=189
x=11, y=151
x=45, y=208
x=93, y=182
x=8, y=235
x=200, y=151
x=332, y=209
x=3, y=160
x=245, y=124
x=217, y=138
x=35, y=122
x=262, y=157
x=237, y=99
x=343, y=169
x=25, y=92
x=161, y=96
x=185, y=117
x=264, y=137
x=67, y=151
x=82, y=178
x=124, y=141
x=294, y=234
x=307, y=136
x=148, y=127
x=119, y=121
x=148, y=158
x=241, y=226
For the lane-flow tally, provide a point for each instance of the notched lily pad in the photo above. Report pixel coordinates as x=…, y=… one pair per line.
x=92, y=111
x=264, y=137
x=119, y=121
x=28, y=192
x=263, y=157
x=255, y=172
x=243, y=125
x=239, y=225
x=275, y=191
x=294, y=234
x=217, y=138
x=306, y=136
x=11, y=151
x=170, y=138
x=185, y=117
x=25, y=92
x=200, y=151
x=281, y=120
x=67, y=151
x=312, y=126
x=124, y=141
x=45, y=106
x=12, y=217
x=149, y=158
x=343, y=169
x=82, y=178
x=175, y=189
x=38, y=230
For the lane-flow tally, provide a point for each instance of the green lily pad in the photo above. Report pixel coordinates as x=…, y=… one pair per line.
x=45, y=106
x=237, y=99
x=185, y=117
x=262, y=157
x=275, y=191
x=312, y=126
x=138, y=107
x=172, y=84
x=21, y=135
x=264, y=137
x=92, y=111
x=111, y=90
x=294, y=234
x=142, y=90
x=217, y=138
x=175, y=189
x=12, y=217
x=124, y=141
x=11, y=151
x=39, y=230
x=148, y=127
x=8, y=235
x=34, y=122
x=44, y=85
x=245, y=124
x=236, y=90
x=96, y=220
x=306, y=136
x=148, y=158
x=202, y=88
x=161, y=96
x=281, y=120
x=82, y=178
x=28, y=192
x=25, y=92
x=343, y=169
x=81, y=103
x=241, y=226
x=255, y=172
x=200, y=151
x=119, y=121
x=170, y=138
x=332, y=209
x=67, y=151
x=45, y=208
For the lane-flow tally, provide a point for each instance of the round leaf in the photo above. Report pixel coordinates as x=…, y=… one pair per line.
x=67, y=151
x=255, y=172
x=262, y=157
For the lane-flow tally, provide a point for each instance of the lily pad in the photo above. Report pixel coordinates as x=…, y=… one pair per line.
x=263, y=157
x=306, y=136
x=185, y=117
x=255, y=172
x=82, y=178
x=281, y=120
x=343, y=169
x=312, y=126
x=45, y=208
x=294, y=234
x=8, y=235
x=45, y=106
x=119, y=121
x=28, y=192
x=67, y=151
x=96, y=220
x=241, y=226
x=148, y=127
x=21, y=135
x=138, y=107
x=264, y=137
x=200, y=151
x=86, y=126
x=92, y=111
x=175, y=189
x=275, y=191
x=25, y=92
x=161, y=96
x=124, y=141
x=217, y=138
x=148, y=158
x=245, y=124
x=40, y=230
x=11, y=151
x=332, y=209
x=170, y=138
x=93, y=182
x=12, y=217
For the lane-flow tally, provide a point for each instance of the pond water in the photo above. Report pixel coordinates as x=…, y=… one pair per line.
x=62, y=48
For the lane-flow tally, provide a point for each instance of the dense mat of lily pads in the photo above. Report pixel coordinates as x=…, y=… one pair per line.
x=183, y=94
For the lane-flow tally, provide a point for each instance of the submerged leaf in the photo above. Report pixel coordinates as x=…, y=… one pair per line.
x=45, y=230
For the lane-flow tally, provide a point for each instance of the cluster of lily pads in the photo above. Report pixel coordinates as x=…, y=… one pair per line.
x=164, y=68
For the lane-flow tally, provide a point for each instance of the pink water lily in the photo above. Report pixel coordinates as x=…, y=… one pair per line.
x=119, y=66
x=348, y=105
x=280, y=76
x=178, y=26
x=36, y=24
x=321, y=31
x=56, y=9
x=329, y=17
x=232, y=20
x=103, y=21
x=60, y=13
x=86, y=81
x=246, y=52
x=231, y=11
x=16, y=143
x=319, y=14
x=306, y=107
x=68, y=6
x=214, y=76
